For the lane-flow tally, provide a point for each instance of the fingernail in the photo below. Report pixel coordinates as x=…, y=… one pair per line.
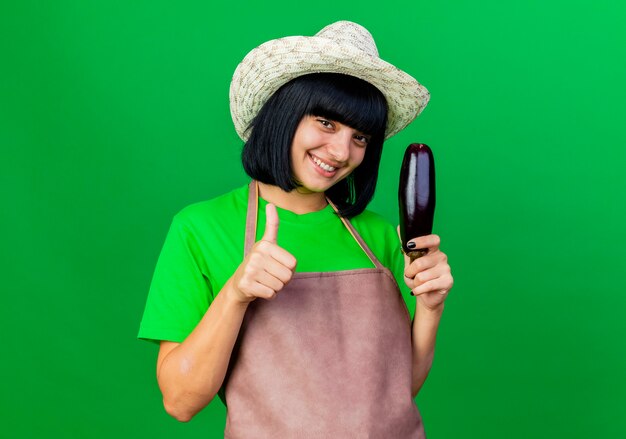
x=411, y=245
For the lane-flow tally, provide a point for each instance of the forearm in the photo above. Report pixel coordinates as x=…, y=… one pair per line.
x=192, y=373
x=424, y=331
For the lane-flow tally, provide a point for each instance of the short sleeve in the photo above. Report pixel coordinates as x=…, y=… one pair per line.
x=179, y=293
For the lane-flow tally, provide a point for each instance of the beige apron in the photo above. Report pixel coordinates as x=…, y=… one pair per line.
x=329, y=357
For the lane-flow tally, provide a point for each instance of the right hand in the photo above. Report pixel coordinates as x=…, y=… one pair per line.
x=267, y=268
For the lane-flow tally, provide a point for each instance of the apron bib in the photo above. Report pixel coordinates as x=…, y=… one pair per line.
x=329, y=357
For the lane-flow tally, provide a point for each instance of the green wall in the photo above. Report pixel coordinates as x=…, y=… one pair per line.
x=114, y=115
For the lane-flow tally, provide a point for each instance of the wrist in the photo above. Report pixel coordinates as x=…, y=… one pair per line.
x=426, y=311
x=233, y=296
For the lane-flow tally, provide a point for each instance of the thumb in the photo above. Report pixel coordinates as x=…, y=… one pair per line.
x=271, y=224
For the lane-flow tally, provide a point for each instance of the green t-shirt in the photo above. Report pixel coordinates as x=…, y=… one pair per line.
x=205, y=245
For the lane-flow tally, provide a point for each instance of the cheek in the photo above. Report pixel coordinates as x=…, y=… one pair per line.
x=305, y=136
x=299, y=147
x=359, y=155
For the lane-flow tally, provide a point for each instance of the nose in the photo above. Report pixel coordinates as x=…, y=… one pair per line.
x=339, y=147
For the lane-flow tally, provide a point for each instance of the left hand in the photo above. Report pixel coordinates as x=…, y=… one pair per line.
x=428, y=277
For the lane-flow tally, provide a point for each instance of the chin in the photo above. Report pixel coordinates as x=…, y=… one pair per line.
x=312, y=188
x=313, y=185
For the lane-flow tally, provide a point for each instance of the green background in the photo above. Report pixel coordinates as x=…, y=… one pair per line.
x=114, y=115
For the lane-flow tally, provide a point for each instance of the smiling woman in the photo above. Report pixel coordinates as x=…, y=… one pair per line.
x=286, y=297
x=331, y=149
x=313, y=116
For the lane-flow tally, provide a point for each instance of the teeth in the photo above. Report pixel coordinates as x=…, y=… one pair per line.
x=323, y=165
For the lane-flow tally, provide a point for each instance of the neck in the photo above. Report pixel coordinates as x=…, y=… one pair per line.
x=295, y=201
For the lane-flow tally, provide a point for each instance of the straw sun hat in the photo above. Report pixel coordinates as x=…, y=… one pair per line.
x=341, y=47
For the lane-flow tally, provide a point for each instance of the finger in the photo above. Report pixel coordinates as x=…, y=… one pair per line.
x=263, y=291
x=279, y=271
x=268, y=280
x=430, y=274
x=251, y=287
x=431, y=242
x=436, y=285
x=283, y=257
x=424, y=263
x=271, y=224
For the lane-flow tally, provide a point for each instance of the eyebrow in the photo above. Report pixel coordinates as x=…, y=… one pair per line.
x=338, y=118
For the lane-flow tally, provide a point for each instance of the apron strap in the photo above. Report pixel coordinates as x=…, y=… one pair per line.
x=251, y=221
x=253, y=207
x=370, y=254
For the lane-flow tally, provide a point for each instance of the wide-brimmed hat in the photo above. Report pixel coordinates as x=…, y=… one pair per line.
x=341, y=47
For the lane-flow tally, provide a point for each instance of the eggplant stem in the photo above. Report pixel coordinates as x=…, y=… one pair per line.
x=414, y=254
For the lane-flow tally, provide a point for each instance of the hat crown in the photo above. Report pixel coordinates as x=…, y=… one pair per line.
x=351, y=34
x=343, y=47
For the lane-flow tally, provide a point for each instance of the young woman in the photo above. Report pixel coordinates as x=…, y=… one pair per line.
x=286, y=297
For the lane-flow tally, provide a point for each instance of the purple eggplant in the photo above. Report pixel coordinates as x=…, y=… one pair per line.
x=416, y=196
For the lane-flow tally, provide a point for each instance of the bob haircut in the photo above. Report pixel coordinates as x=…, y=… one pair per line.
x=342, y=98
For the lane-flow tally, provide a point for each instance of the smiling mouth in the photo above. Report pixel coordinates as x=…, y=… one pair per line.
x=325, y=166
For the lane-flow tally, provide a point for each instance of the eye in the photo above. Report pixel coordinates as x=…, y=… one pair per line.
x=362, y=139
x=325, y=122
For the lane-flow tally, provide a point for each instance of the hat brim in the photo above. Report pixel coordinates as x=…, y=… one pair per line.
x=271, y=65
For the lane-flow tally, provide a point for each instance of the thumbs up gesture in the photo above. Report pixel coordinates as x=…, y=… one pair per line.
x=267, y=268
